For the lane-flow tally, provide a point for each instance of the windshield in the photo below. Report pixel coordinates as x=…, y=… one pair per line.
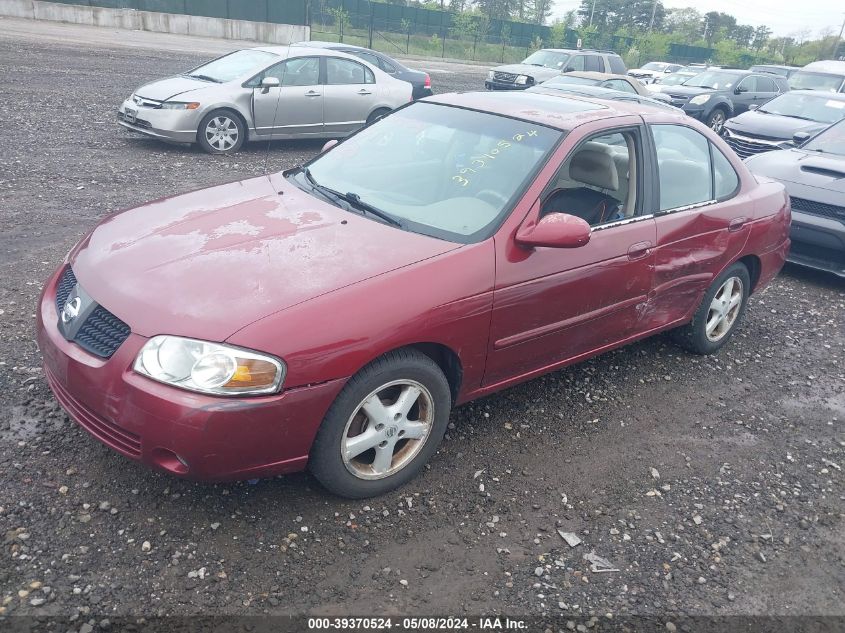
x=549, y=59
x=655, y=66
x=803, y=80
x=442, y=171
x=813, y=107
x=234, y=65
x=831, y=141
x=714, y=80
x=569, y=80
x=674, y=80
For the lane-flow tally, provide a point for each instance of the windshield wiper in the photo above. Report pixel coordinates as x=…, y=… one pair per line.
x=351, y=199
x=204, y=78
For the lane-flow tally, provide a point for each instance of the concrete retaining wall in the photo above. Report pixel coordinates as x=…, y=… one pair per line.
x=157, y=22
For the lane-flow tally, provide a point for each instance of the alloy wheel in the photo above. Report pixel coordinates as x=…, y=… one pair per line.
x=717, y=120
x=724, y=309
x=222, y=133
x=387, y=429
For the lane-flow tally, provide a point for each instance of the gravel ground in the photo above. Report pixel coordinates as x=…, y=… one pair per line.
x=712, y=485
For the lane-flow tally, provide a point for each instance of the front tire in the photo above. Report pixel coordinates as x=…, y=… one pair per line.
x=383, y=427
x=221, y=132
x=719, y=314
x=375, y=115
x=716, y=120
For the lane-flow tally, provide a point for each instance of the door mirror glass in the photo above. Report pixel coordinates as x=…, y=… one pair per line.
x=740, y=89
x=329, y=145
x=555, y=230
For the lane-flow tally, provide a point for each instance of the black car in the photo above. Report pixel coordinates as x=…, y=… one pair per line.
x=714, y=96
x=775, y=124
x=814, y=176
x=421, y=81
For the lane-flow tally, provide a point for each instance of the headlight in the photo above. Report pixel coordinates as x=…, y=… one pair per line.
x=209, y=367
x=700, y=99
x=522, y=80
x=178, y=105
x=490, y=75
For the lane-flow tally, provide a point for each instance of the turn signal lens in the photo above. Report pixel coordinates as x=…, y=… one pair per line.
x=252, y=373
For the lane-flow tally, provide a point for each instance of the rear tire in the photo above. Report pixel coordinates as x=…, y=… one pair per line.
x=375, y=115
x=221, y=132
x=383, y=427
x=719, y=314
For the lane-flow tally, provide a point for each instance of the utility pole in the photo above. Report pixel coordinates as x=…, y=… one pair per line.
x=838, y=39
x=653, y=11
x=592, y=11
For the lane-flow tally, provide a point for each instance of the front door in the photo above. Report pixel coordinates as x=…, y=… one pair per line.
x=296, y=106
x=553, y=305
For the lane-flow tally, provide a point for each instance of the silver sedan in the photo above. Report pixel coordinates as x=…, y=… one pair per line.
x=264, y=93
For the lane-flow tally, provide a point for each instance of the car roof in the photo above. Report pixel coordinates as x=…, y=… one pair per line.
x=294, y=50
x=562, y=111
x=826, y=65
x=333, y=46
x=773, y=66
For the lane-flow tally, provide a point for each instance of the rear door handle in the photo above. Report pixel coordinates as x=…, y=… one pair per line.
x=312, y=93
x=639, y=250
x=363, y=92
x=736, y=224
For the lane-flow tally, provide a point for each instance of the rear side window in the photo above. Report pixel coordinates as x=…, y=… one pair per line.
x=386, y=66
x=617, y=66
x=594, y=63
x=684, y=166
x=725, y=179
x=344, y=71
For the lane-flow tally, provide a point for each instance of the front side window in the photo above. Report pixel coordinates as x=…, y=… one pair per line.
x=302, y=71
x=344, y=71
x=749, y=84
x=683, y=166
x=598, y=181
x=576, y=63
x=442, y=171
x=766, y=84
x=617, y=66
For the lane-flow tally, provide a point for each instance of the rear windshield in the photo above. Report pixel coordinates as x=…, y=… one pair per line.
x=804, y=80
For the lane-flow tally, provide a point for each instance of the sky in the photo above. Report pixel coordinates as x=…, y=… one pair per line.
x=784, y=17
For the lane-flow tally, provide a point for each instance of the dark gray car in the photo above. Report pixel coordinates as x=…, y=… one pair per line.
x=814, y=176
x=421, y=81
x=774, y=124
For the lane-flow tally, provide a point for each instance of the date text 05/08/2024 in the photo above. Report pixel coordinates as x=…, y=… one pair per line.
x=418, y=624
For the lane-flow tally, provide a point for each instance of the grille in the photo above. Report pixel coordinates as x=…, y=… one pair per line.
x=108, y=433
x=745, y=147
x=508, y=77
x=679, y=100
x=819, y=208
x=102, y=332
x=137, y=122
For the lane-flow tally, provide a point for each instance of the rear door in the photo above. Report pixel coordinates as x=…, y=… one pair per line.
x=294, y=108
x=350, y=95
x=702, y=222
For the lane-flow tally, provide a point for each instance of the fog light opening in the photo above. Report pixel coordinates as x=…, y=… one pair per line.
x=169, y=461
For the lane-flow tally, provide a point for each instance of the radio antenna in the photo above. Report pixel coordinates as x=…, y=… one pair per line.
x=276, y=111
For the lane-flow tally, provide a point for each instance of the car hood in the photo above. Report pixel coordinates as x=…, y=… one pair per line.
x=206, y=264
x=165, y=89
x=771, y=126
x=811, y=175
x=540, y=73
x=687, y=91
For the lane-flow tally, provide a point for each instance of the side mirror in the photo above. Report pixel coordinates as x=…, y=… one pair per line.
x=269, y=82
x=799, y=138
x=329, y=145
x=754, y=106
x=555, y=230
x=739, y=90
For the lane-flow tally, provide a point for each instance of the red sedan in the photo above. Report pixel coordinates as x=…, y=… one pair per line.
x=330, y=316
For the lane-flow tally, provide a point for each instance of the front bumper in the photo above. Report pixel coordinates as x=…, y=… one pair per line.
x=492, y=84
x=178, y=126
x=817, y=242
x=696, y=111
x=187, y=434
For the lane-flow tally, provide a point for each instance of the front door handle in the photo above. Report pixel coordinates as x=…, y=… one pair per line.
x=364, y=92
x=639, y=250
x=312, y=93
x=736, y=224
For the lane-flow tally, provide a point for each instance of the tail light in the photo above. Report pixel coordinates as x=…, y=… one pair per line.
x=427, y=83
